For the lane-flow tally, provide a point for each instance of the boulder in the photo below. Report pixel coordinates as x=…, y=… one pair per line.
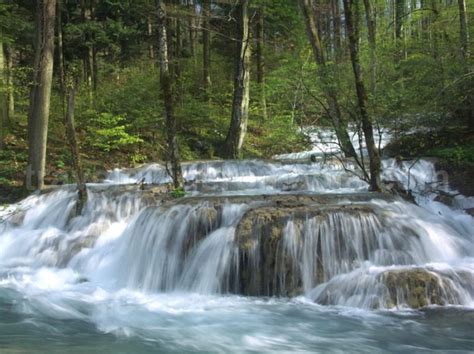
x=418, y=288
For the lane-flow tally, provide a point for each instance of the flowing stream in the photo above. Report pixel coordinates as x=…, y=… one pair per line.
x=261, y=256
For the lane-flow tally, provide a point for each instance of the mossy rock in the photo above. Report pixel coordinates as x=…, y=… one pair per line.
x=415, y=288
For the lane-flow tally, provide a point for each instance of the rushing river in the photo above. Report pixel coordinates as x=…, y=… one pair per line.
x=133, y=274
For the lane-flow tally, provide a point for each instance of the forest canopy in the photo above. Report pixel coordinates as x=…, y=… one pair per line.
x=178, y=80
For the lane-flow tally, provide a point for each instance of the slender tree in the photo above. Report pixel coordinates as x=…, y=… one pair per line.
x=206, y=47
x=372, y=35
x=3, y=96
x=166, y=80
x=192, y=32
x=149, y=31
x=41, y=92
x=240, y=105
x=60, y=50
x=464, y=30
x=339, y=125
x=399, y=14
x=337, y=28
x=73, y=145
x=351, y=11
x=260, y=35
x=8, y=51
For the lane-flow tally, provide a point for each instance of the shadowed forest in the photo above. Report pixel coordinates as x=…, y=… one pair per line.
x=186, y=80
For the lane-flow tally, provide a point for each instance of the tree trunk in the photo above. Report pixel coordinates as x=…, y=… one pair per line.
x=8, y=51
x=340, y=126
x=240, y=104
x=372, y=37
x=192, y=33
x=399, y=13
x=88, y=60
x=149, y=27
x=72, y=142
x=352, y=11
x=206, y=47
x=261, y=61
x=166, y=80
x=41, y=93
x=3, y=96
x=62, y=77
x=464, y=30
x=337, y=29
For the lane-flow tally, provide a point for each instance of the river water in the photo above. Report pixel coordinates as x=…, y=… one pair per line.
x=132, y=276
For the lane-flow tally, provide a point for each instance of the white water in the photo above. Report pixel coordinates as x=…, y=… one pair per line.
x=162, y=277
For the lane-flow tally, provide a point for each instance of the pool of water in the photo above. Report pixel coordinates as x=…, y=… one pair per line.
x=93, y=320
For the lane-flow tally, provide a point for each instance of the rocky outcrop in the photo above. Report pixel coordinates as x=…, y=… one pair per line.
x=418, y=288
x=269, y=264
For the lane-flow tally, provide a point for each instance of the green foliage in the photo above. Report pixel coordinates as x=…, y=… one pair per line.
x=178, y=193
x=457, y=154
x=422, y=81
x=109, y=132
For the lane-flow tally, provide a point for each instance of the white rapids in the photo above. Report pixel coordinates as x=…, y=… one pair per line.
x=168, y=274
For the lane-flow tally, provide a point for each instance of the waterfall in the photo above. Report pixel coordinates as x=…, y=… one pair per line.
x=187, y=247
x=260, y=228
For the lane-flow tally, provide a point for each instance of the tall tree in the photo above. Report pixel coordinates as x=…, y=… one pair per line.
x=89, y=59
x=372, y=35
x=60, y=50
x=8, y=51
x=260, y=35
x=166, y=80
x=240, y=104
x=41, y=92
x=149, y=31
x=351, y=10
x=206, y=46
x=399, y=14
x=308, y=7
x=464, y=30
x=337, y=28
x=73, y=145
x=3, y=96
x=192, y=33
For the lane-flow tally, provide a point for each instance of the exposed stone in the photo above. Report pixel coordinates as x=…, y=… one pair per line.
x=470, y=211
x=264, y=269
x=417, y=288
x=398, y=189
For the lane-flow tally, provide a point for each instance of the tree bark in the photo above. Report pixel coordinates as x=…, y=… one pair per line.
x=166, y=80
x=3, y=96
x=261, y=61
x=192, y=33
x=340, y=126
x=372, y=37
x=88, y=60
x=399, y=13
x=72, y=142
x=464, y=30
x=337, y=29
x=9, y=81
x=240, y=105
x=149, y=28
x=41, y=93
x=352, y=15
x=206, y=47
x=62, y=77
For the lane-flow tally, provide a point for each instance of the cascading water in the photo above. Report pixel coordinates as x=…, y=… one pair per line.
x=243, y=263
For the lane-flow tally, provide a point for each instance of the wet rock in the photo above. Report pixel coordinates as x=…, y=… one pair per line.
x=469, y=211
x=417, y=288
x=265, y=270
x=398, y=189
x=445, y=198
